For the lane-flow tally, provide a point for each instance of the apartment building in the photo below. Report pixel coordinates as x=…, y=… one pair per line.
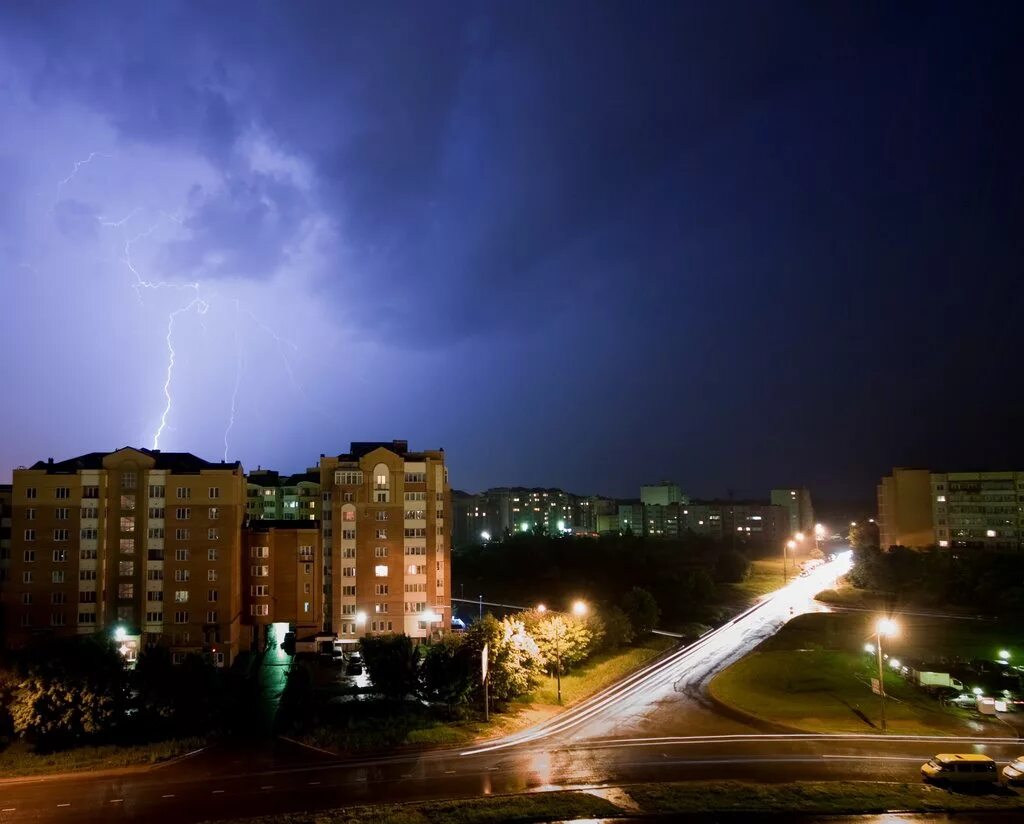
x=797, y=502
x=905, y=509
x=269, y=496
x=282, y=578
x=139, y=539
x=387, y=515
x=6, y=499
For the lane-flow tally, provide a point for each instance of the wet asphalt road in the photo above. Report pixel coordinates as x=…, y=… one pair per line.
x=653, y=726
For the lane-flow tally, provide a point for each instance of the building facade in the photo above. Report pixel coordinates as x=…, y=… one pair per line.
x=6, y=500
x=144, y=540
x=387, y=516
x=978, y=509
x=797, y=502
x=271, y=497
x=905, y=509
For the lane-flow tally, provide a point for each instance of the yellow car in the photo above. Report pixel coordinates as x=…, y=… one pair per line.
x=1014, y=771
x=960, y=768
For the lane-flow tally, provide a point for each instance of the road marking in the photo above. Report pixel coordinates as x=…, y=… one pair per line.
x=168, y=795
x=8, y=809
x=916, y=759
x=68, y=804
x=314, y=782
x=217, y=792
x=267, y=787
x=360, y=779
x=449, y=772
x=406, y=775
x=494, y=768
x=116, y=800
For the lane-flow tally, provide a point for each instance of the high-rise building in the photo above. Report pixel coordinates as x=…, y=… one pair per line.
x=387, y=515
x=282, y=577
x=139, y=539
x=797, y=502
x=978, y=509
x=6, y=499
x=662, y=493
x=274, y=498
x=905, y=509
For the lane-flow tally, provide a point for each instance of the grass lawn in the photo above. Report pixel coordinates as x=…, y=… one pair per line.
x=18, y=759
x=814, y=675
x=598, y=672
x=692, y=797
x=765, y=576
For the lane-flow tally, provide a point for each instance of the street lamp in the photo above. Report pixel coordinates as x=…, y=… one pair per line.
x=886, y=627
x=579, y=608
x=819, y=533
x=1004, y=655
x=541, y=608
x=360, y=619
x=799, y=536
x=791, y=546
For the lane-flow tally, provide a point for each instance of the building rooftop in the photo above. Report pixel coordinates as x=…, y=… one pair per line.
x=358, y=449
x=179, y=462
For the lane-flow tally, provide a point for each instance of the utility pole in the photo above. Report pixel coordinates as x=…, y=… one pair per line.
x=481, y=607
x=558, y=656
x=881, y=678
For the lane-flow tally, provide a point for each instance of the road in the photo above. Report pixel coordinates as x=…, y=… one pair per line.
x=653, y=726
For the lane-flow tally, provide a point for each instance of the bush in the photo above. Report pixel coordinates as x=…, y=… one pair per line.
x=642, y=610
x=732, y=567
x=392, y=662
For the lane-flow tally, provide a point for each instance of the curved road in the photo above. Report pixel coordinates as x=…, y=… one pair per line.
x=649, y=727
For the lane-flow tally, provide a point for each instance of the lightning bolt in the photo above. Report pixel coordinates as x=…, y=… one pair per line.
x=202, y=307
x=78, y=165
x=239, y=368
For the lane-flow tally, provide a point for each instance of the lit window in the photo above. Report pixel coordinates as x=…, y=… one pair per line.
x=381, y=570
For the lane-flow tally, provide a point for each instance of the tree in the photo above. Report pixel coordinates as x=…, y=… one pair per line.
x=69, y=690
x=618, y=630
x=562, y=640
x=732, y=567
x=296, y=707
x=642, y=610
x=864, y=535
x=392, y=662
x=514, y=661
x=448, y=668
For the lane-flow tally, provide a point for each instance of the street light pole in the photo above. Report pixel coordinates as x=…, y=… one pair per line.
x=881, y=676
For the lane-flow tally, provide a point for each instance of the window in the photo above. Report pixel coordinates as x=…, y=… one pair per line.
x=415, y=477
x=87, y=618
x=87, y=597
x=30, y=534
x=259, y=552
x=212, y=554
x=126, y=569
x=211, y=595
x=214, y=491
x=415, y=550
x=26, y=599
x=126, y=545
x=154, y=574
x=348, y=515
x=156, y=532
x=87, y=575
x=125, y=591
x=30, y=556
x=182, y=574
x=90, y=512
x=380, y=552
x=419, y=569
x=57, y=619
x=347, y=496
x=211, y=617
x=416, y=532
x=380, y=608
x=60, y=555
x=348, y=552
x=26, y=577
x=181, y=596
x=307, y=589
x=381, y=515
x=348, y=591
x=181, y=555
x=305, y=606
x=63, y=493
x=155, y=595
x=415, y=514
x=348, y=572
x=128, y=523
x=90, y=491
x=415, y=587
x=211, y=575
x=155, y=554
x=156, y=491
x=214, y=513
x=348, y=534
x=183, y=513
x=154, y=617
x=381, y=570
x=184, y=493
x=381, y=589
x=348, y=478
x=89, y=534
x=382, y=534
x=181, y=617
x=212, y=534
x=128, y=502
x=61, y=513
x=30, y=514
x=305, y=553
x=260, y=571
x=259, y=590
x=88, y=554
x=415, y=496
x=260, y=610
x=177, y=657
x=348, y=609
x=181, y=534
x=128, y=480
x=156, y=512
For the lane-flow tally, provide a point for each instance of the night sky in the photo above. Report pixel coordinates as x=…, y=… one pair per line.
x=583, y=245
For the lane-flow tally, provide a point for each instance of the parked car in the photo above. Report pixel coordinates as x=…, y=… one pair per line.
x=354, y=668
x=1013, y=773
x=959, y=769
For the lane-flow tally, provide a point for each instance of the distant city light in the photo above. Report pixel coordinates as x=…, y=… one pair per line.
x=120, y=634
x=485, y=535
x=524, y=527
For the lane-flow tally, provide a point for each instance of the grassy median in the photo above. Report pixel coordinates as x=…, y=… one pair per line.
x=19, y=760
x=814, y=675
x=821, y=797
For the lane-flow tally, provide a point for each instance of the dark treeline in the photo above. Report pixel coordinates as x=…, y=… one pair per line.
x=527, y=569
x=976, y=579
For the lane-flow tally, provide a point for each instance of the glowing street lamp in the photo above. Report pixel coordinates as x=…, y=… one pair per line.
x=120, y=634
x=799, y=536
x=360, y=619
x=1004, y=655
x=579, y=608
x=541, y=608
x=884, y=627
x=819, y=533
x=485, y=536
x=869, y=649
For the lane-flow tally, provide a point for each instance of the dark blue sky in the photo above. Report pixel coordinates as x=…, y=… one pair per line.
x=578, y=244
